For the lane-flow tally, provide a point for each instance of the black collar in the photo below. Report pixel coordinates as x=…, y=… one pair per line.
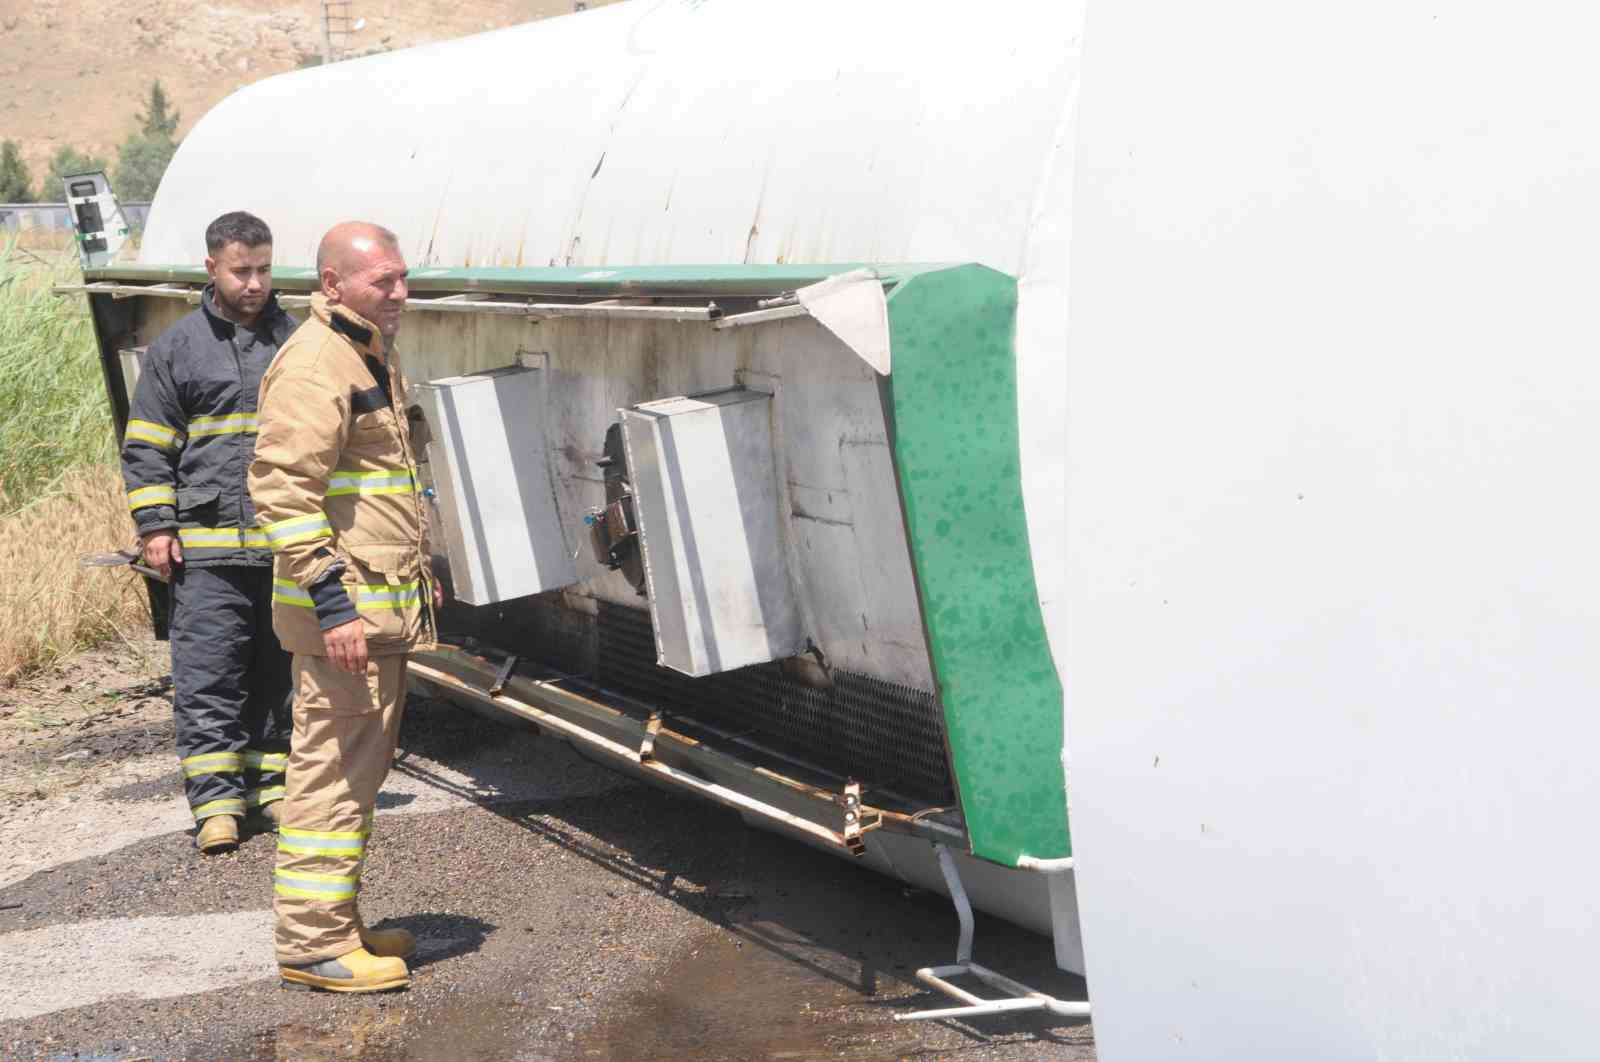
x=349, y=328
x=270, y=311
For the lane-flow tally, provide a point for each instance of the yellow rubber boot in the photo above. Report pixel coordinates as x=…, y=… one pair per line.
x=219, y=833
x=393, y=943
x=356, y=971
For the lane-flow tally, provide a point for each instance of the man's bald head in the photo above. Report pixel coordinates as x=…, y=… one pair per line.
x=349, y=239
x=361, y=268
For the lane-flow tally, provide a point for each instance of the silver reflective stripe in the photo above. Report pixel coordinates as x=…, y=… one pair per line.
x=225, y=806
x=227, y=424
x=315, y=886
x=145, y=496
x=222, y=538
x=344, y=481
x=313, y=842
x=212, y=763
x=288, y=593
x=378, y=595
x=158, y=435
x=283, y=533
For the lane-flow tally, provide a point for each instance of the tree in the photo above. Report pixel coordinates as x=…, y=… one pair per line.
x=70, y=160
x=141, y=160
x=155, y=121
x=143, y=157
x=16, y=184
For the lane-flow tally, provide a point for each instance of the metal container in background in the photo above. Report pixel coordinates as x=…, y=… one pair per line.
x=706, y=492
x=491, y=476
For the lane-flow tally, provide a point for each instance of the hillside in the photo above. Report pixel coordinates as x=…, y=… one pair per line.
x=74, y=72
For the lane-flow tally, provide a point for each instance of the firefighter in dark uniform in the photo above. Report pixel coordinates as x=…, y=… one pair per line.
x=190, y=439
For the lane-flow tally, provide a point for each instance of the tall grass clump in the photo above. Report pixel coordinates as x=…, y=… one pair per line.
x=60, y=489
x=53, y=411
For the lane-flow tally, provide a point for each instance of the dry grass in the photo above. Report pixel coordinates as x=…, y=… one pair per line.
x=60, y=490
x=51, y=605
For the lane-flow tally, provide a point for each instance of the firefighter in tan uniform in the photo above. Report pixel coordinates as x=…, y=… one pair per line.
x=334, y=484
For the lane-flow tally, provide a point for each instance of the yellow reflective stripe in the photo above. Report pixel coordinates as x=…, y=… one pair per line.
x=383, y=596
x=307, y=877
x=357, y=849
x=143, y=496
x=346, y=481
x=314, y=894
x=285, y=591
x=323, y=835
x=211, y=763
x=267, y=761
x=226, y=424
x=222, y=537
x=158, y=435
x=226, y=806
x=283, y=533
x=315, y=886
x=212, y=537
x=257, y=797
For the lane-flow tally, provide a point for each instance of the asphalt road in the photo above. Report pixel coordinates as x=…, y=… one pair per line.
x=563, y=912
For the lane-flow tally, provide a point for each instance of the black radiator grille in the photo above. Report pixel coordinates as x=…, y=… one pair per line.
x=887, y=735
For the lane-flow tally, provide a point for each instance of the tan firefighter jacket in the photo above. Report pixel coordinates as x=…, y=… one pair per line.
x=335, y=488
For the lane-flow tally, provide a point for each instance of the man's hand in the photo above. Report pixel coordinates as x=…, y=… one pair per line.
x=162, y=550
x=347, y=646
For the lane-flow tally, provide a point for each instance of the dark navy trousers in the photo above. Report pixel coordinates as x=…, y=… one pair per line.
x=231, y=689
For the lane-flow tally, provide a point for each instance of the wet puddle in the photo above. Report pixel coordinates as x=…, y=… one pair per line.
x=764, y=992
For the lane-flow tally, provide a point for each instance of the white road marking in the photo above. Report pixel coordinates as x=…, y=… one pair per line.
x=80, y=824
x=81, y=963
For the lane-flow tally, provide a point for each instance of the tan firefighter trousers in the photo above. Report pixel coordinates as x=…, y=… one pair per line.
x=345, y=728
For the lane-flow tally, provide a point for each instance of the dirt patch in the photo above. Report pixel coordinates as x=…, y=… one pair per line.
x=61, y=728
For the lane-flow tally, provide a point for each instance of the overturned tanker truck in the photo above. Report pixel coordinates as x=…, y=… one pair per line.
x=739, y=369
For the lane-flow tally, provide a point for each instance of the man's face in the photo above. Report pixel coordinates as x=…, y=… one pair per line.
x=373, y=285
x=243, y=279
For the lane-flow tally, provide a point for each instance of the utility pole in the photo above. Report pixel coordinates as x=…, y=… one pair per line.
x=336, y=29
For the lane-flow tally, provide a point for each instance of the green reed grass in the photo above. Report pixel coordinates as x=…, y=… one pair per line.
x=53, y=411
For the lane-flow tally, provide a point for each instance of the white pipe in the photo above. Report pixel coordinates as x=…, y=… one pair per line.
x=992, y=1006
x=1022, y=997
x=1044, y=866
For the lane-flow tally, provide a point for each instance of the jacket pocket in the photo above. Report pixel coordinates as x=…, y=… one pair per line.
x=198, y=504
x=385, y=582
x=374, y=430
x=322, y=686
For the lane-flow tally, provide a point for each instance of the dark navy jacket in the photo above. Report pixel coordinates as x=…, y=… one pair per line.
x=192, y=433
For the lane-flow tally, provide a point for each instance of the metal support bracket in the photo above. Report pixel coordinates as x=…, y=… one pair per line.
x=1020, y=996
x=855, y=823
x=647, y=747
x=506, y=668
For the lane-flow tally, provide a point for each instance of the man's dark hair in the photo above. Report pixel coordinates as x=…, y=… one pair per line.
x=236, y=227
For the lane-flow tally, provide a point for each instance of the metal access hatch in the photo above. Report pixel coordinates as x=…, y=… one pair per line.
x=491, y=476
x=706, y=490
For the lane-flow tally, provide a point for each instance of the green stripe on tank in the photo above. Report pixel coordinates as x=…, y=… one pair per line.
x=952, y=394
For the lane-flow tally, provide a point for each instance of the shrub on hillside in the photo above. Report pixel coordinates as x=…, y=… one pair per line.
x=16, y=184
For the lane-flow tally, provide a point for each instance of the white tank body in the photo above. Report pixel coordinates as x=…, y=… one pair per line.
x=689, y=132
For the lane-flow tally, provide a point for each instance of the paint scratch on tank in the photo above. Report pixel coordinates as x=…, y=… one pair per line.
x=755, y=222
